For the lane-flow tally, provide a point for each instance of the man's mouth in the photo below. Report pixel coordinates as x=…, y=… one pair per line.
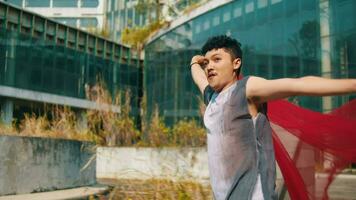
x=211, y=75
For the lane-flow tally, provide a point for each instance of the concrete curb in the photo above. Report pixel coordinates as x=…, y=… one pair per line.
x=74, y=193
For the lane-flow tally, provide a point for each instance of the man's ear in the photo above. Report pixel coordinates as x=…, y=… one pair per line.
x=236, y=63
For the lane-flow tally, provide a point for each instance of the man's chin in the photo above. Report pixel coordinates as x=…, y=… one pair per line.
x=215, y=87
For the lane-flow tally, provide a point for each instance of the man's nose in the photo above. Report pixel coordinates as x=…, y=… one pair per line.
x=209, y=66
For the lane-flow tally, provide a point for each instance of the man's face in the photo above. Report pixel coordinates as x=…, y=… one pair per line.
x=219, y=69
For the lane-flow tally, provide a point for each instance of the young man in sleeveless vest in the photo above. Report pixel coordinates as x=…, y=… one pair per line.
x=240, y=148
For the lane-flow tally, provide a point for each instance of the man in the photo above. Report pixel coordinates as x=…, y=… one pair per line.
x=240, y=148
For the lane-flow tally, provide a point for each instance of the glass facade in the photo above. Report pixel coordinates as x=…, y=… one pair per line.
x=37, y=3
x=280, y=38
x=15, y=2
x=89, y=3
x=65, y=3
x=32, y=64
x=88, y=22
x=68, y=21
x=122, y=14
x=41, y=55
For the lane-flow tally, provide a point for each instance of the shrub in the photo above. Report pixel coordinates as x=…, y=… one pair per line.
x=188, y=133
x=158, y=132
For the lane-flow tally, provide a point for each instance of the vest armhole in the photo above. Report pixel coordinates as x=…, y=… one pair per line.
x=208, y=93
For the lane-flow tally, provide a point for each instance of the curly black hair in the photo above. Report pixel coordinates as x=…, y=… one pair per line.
x=231, y=45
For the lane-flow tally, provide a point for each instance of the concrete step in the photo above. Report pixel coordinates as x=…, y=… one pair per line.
x=75, y=193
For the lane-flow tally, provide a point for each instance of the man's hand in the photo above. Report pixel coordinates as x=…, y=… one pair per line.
x=200, y=60
x=197, y=65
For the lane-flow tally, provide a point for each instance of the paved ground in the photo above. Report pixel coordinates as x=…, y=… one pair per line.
x=159, y=189
x=75, y=193
x=343, y=188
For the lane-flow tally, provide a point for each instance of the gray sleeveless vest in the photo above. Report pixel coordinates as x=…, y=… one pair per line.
x=238, y=150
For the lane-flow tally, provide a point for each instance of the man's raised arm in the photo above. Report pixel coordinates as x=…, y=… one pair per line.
x=260, y=90
x=198, y=73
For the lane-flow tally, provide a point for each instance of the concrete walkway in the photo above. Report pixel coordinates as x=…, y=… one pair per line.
x=75, y=193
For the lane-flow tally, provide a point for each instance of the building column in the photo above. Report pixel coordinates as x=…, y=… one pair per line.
x=7, y=110
x=325, y=41
x=10, y=62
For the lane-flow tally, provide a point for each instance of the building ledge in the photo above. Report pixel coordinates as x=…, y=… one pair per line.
x=30, y=95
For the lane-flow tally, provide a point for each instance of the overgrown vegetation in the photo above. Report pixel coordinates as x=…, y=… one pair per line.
x=106, y=127
x=137, y=36
x=112, y=128
x=102, y=32
x=188, y=133
x=193, y=6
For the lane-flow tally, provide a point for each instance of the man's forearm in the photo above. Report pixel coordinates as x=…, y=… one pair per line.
x=199, y=77
x=312, y=85
x=198, y=73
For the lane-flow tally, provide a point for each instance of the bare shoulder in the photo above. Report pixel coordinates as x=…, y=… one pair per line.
x=253, y=104
x=254, y=80
x=252, y=84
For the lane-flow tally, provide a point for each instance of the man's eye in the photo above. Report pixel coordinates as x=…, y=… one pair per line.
x=204, y=64
x=217, y=59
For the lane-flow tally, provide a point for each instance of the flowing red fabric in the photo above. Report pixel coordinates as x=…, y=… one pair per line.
x=310, y=147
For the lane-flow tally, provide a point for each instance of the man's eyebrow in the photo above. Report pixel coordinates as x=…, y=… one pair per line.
x=215, y=54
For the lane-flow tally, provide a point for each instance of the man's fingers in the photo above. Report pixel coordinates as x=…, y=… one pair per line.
x=203, y=61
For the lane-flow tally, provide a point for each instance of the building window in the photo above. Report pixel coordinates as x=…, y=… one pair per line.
x=90, y=3
x=15, y=2
x=275, y=1
x=262, y=3
x=216, y=20
x=67, y=21
x=227, y=16
x=249, y=7
x=65, y=3
x=237, y=12
x=110, y=6
x=206, y=24
x=37, y=3
x=197, y=28
x=88, y=22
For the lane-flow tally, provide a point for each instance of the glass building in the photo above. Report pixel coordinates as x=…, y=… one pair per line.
x=48, y=62
x=86, y=14
x=280, y=38
x=121, y=14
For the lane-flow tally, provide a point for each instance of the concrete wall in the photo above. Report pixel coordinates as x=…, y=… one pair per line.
x=39, y=164
x=146, y=163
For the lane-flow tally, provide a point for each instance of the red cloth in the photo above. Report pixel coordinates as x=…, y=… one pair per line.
x=310, y=147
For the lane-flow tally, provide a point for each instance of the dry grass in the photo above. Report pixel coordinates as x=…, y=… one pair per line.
x=160, y=189
x=7, y=129
x=158, y=132
x=63, y=125
x=112, y=128
x=188, y=133
x=32, y=125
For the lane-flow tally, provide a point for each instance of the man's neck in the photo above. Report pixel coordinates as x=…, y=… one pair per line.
x=228, y=85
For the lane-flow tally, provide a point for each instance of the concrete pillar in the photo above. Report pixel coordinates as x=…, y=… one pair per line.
x=82, y=120
x=326, y=64
x=7, y=110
